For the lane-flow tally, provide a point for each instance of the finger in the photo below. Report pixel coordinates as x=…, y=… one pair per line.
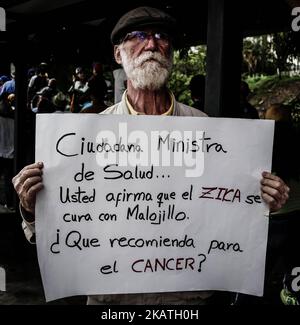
x=31, y=181
x=18, y=181
x=275, y=203
x=32, y=166
x=29, y=173
x=270, y=176
x=272, y=192
x=32, y=192
x=280, y=194
x=38, y=165
x=287, y=189
x=272, y=203
x=275, y=184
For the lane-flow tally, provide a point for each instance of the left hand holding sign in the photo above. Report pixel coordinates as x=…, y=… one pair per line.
x=27, y=183
x=274, y=191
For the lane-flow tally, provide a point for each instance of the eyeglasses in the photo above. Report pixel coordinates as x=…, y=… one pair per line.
x=142, y=36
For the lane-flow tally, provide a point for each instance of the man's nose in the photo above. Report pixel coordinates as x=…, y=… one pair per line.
x=151, y=43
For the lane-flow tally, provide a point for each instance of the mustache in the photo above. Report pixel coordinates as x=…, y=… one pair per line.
x=153, y=56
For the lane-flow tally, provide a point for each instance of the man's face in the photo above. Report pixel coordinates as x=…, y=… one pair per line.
x=146, y=57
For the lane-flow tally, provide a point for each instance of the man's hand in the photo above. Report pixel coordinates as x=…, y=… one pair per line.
x=274, y=191
x=27, y=184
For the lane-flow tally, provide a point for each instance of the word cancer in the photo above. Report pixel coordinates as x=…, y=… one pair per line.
x=163, y=264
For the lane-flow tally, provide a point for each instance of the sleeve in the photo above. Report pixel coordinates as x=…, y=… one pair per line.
x=28, y=225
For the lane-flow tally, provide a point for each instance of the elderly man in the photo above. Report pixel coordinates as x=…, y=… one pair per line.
x=143, y=45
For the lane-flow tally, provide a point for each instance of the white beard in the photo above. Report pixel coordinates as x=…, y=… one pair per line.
x=145, y=74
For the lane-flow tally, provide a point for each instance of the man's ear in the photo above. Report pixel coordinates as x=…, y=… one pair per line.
x=117, y=54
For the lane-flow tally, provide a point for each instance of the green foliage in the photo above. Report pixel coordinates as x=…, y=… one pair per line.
x=257, y=56
x=270, y=54
x=187, y=63
x=263, y=83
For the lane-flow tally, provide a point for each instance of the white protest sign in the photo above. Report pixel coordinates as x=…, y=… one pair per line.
x=151, y=204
